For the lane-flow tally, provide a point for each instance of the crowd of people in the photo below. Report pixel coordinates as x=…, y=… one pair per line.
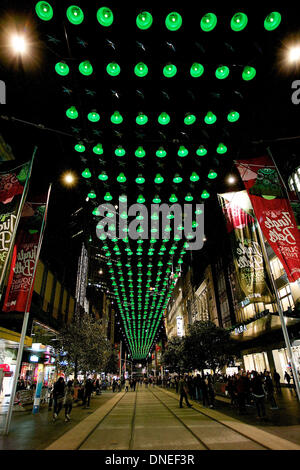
x=245, y=389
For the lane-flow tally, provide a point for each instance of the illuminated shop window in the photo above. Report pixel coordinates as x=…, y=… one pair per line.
x=277, y=268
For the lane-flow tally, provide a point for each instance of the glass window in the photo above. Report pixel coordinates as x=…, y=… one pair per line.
x=286, y=298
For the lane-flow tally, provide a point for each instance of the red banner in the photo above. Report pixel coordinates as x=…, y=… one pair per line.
x=273, y=211
x=24, y=257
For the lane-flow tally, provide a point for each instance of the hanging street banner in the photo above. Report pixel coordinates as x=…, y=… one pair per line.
x=24, y=257
x=273, y=211
x=253, y=283
x=13, y=189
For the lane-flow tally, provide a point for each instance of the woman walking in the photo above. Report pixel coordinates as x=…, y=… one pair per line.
x=68, y=401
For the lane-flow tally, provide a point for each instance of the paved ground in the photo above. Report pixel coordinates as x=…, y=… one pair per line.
x=34, y=432
x=151, y=419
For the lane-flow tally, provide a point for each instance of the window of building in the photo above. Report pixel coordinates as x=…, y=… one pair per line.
x=286, y=298
x=277, y=268
x=294, y=181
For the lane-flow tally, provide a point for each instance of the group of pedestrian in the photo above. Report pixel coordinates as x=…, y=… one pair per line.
x=197, y=388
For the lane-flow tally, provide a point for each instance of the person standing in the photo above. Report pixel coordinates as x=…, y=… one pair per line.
x=258, y=394
x=277, y=381
x=68, y=401
x=58, y=397
x=183, y=390
x=88, y=389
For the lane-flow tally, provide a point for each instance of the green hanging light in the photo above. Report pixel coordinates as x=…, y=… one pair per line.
x=123, y=198
x=248, y=73
x=222, y=72
x=79, y=147
x=182, y=152
x=221, y=148
x=169, y=70
x=120, y=151
x=210, y=118
x=105, y=16
x=189, y=119
x=177, y=178
x=173, y=21
x=93, y=116
x=141, y=119
x=208, y=22
x=86, y=173
x=108, y=196
x=161, y=153
x=212, y=174
x=85, y=68
x=189, y=197
x=92, y=194
x=239, y=21
x=113, y=69
x=140, y=199
x=44, y=11
x=233, y=116
x=194, y=177
x=201, y=151
x=140, y=152
x=140, y=179
x=205, y=194
x=98, y=149
x=158, y=178
x=62, y=69
x=156, y=199
x=141, y=69
x=103, y=176
x=116, y=118
x=144, y=20
x=272, y=21
x=196, y=70
x=75, y=15
x=72, y=113
x=96, y=212
x=121, y=178
x=164, y=118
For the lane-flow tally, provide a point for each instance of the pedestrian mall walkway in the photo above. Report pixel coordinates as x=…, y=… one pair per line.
x=148, y=419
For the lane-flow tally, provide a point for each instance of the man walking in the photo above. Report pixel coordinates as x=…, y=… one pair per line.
x=88, y=389
x=277, y=381
x=58, y=396
x=182, y=389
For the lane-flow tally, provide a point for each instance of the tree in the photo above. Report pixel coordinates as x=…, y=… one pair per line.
x=84, y=344
x=112, y=365
x=173, y=356
x=207, y=346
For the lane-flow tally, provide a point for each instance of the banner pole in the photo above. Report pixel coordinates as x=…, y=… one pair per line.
x=7, y=260
x=280, y=312
x=25, y=323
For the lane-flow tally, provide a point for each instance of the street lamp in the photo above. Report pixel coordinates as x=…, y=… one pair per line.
x=19, y=44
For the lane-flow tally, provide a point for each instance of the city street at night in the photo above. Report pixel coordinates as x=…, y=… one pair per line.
x=149, y=230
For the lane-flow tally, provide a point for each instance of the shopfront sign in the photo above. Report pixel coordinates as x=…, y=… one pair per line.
x=273, y=211
x=38, y=393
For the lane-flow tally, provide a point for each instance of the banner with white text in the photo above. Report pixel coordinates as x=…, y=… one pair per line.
x=24, y=257
x=273, y=211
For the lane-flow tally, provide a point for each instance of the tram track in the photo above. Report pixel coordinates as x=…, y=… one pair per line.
x=265, y=447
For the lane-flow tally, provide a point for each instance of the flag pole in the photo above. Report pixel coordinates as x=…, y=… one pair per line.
x=280, y=312
x=25, y=322
x=8, y=258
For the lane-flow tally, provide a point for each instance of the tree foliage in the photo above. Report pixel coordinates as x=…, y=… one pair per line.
x=173, y=356
x=86, y=347
x=207, y=346
x=112, y=365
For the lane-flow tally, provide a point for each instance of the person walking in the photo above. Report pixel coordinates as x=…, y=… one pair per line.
x=183, y=390
x=127, y=385
x=58, y=397
x=211, y=391
x=270, y=391
x=88, y=389
x=258, y=394
x=204, y=391
x=134, y=384
x=68, y=401
x=277, y=381
x=287, y=377
x=241, y=389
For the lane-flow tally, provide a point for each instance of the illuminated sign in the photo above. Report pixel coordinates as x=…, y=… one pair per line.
x=179, y=321
x=34, y=358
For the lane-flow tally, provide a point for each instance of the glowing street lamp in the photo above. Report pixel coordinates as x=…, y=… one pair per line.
x=18, y=44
